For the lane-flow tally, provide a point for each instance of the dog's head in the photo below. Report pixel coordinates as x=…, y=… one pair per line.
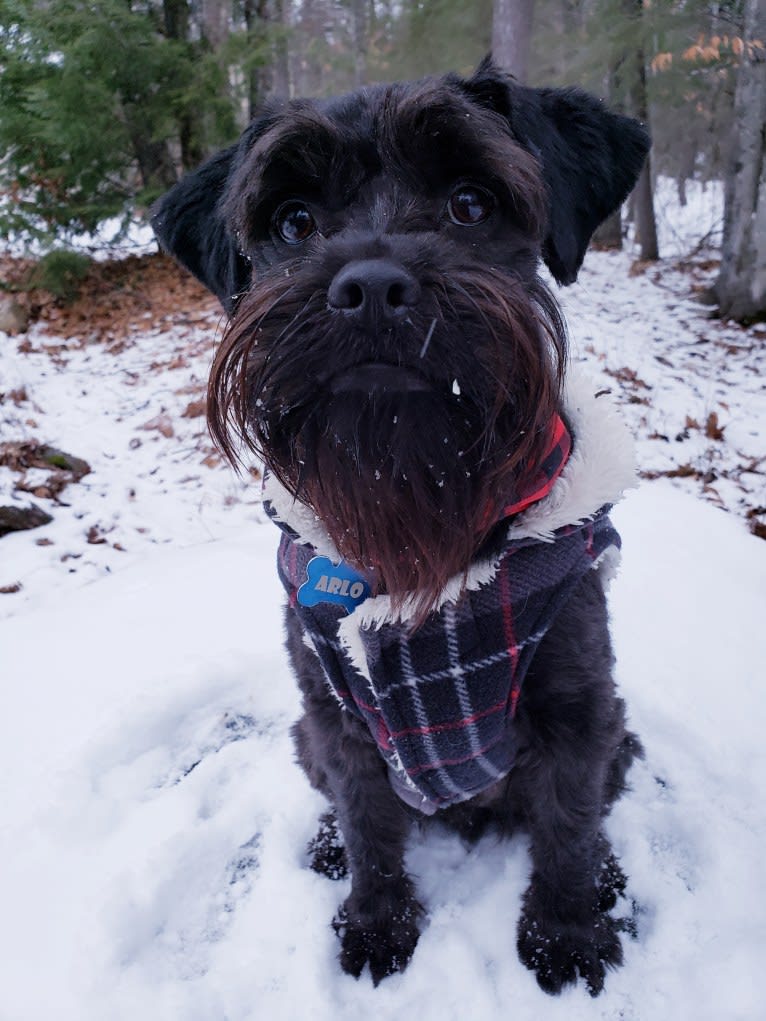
x=392, y=353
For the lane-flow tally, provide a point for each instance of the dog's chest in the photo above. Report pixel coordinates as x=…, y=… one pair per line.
x=440, y=701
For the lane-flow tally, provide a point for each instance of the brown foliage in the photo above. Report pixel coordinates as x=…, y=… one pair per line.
x=117, y=299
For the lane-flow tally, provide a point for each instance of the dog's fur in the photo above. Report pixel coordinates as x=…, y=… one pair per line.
x=378, y=171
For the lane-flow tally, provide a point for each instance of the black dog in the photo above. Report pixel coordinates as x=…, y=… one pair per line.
x=397, y=362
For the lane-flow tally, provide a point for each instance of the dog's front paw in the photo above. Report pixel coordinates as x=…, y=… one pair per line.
x=611, y=883
x=386, y=944
x=327, y=855
x=557, y=953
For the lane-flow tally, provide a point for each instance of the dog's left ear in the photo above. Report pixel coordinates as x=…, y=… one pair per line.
x=190, y=225
x=590, y=157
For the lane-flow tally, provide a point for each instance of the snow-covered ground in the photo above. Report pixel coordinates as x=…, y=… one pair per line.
x=154, y=823
x=134, y=412
x=153, y=830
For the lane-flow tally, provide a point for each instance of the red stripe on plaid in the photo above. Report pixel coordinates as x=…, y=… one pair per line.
x=382, y=733
x=363, y=705
x=437, y=728
x=461, y=760
x=383, y=736
x=515, y=692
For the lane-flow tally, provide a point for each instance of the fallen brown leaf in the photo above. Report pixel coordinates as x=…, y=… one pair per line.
x=160, y=423
x=195, y=409
x=713, y=430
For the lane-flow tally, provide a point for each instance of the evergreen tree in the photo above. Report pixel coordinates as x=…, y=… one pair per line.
x=102, y=105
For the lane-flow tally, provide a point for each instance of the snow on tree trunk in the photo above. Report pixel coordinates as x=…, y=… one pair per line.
x=741, y=284
x=512, y=35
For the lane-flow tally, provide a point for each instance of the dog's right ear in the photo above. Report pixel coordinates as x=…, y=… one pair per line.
x=190, y=225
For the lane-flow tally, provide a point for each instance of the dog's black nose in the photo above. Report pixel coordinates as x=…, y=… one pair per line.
x=373, y=289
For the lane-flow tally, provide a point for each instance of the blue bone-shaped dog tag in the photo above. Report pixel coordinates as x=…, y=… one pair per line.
x=327, y=582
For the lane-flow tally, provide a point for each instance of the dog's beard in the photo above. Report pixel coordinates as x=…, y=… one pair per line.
x=402, y=477
x=392, y=477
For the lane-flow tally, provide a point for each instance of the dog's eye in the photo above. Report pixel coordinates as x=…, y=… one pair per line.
x=294, y=223
x=469, y=205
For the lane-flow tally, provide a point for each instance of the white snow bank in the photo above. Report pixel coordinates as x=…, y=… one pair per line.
x=154, y=822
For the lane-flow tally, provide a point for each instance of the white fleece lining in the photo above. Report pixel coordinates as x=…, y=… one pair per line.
x=599, y=470
x=300, y=518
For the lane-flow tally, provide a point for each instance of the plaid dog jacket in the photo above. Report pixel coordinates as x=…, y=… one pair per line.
x=440, y=702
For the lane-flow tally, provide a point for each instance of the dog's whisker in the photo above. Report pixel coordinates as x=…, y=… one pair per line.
x=297, y=319
x=429, y=335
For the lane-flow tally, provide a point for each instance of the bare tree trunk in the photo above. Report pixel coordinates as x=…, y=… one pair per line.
x=311, y=22
x=255, y=13
x=512, y=35
x=154, y=161
x=176, y=17
x=687, y=159
x=268, y=19
x=646, y=224
x=281, y=54
x=359, y=39
x=215, y=22
x=609, y=234
x=741, y=284
x=250, y=17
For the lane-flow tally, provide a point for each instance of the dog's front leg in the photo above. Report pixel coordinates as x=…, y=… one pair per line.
x=574, y=726
x=563, y=929
x=379, y=922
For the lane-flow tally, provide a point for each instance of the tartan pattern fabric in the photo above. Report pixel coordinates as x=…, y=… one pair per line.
x=440, y=702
